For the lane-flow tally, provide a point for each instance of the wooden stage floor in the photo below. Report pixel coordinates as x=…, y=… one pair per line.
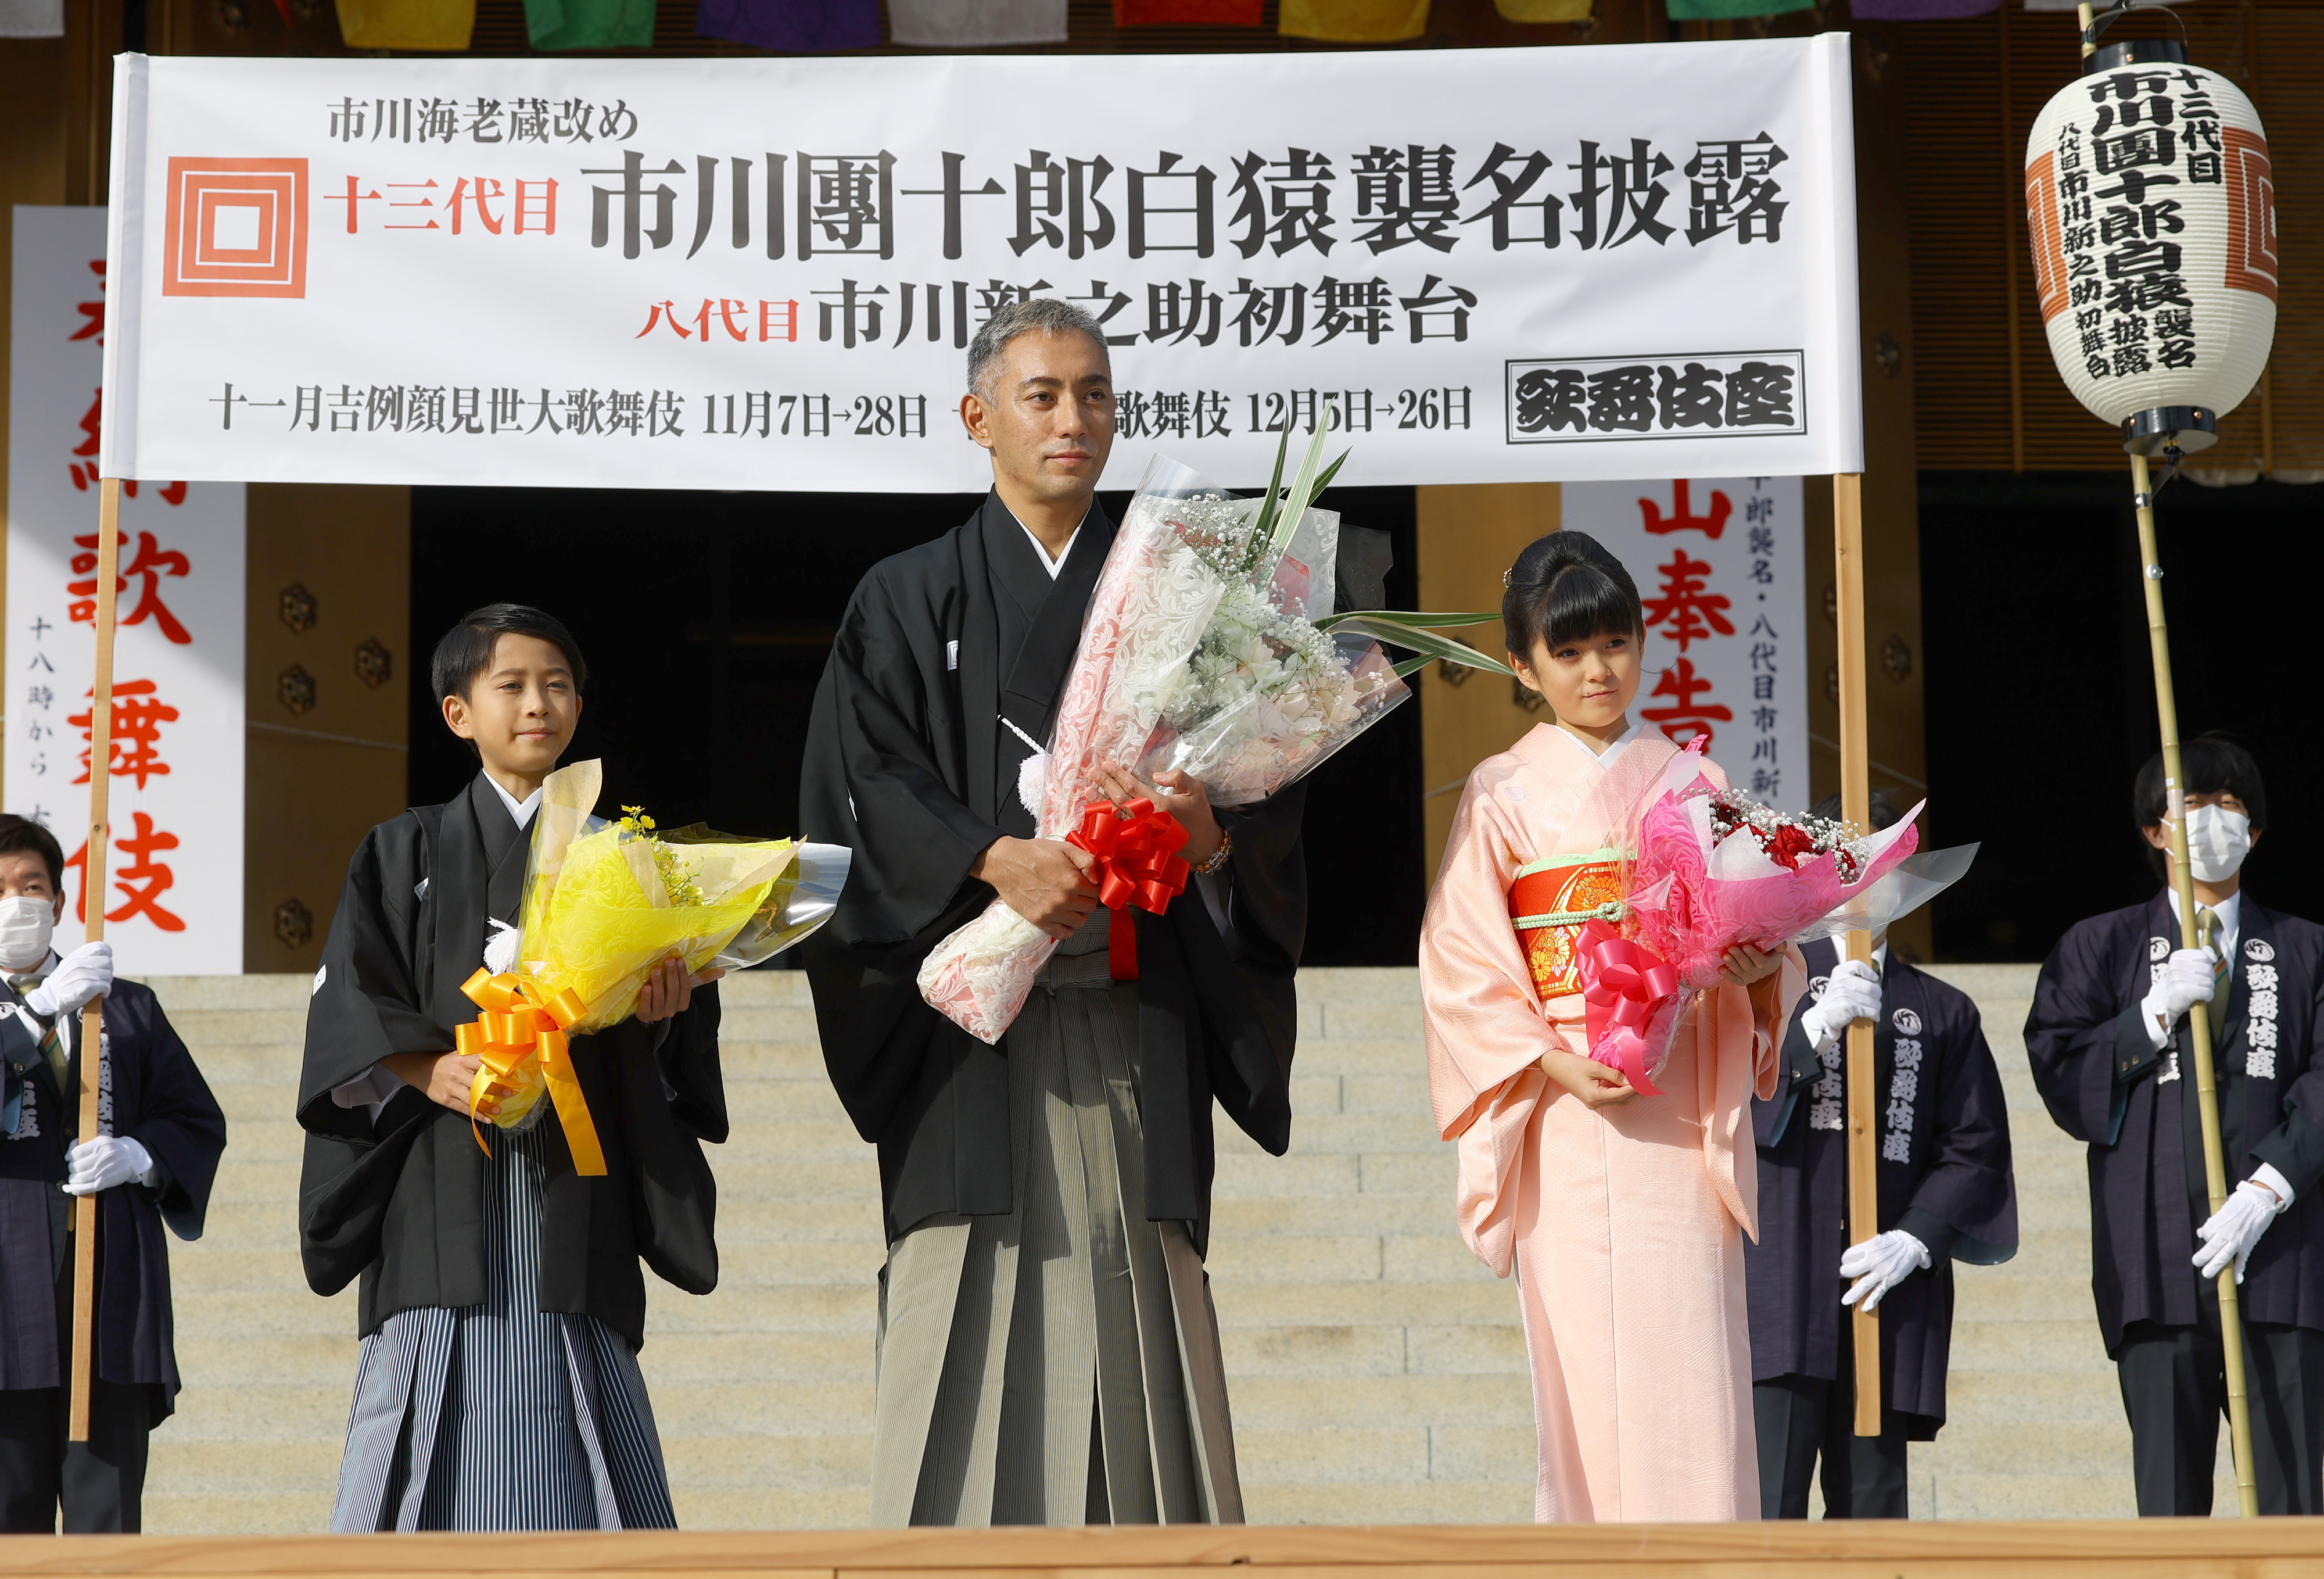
x=2264, y=1549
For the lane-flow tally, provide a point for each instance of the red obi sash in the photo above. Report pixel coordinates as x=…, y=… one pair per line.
x=1551, y=902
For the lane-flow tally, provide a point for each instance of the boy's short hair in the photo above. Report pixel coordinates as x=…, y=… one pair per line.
x=1884, y=811
x=465, y=652
x=2212, y=764
x=18, y=833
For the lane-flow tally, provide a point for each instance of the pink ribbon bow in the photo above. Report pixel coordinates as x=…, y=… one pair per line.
x=1623, y=986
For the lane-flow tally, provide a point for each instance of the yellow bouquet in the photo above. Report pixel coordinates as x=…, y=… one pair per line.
x=604, y=904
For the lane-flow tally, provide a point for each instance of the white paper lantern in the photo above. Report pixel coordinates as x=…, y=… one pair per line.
x=2152, y=213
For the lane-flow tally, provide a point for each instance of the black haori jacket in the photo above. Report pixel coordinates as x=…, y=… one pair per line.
x=153, y=1093
x=1944, y=1177
x=909, y=764
x=398, y=1201
x=2104, y=1083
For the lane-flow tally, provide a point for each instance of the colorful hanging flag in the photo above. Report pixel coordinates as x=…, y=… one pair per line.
x=1355, y=22
x=32, y=19
x=407, y=24
x=589, y=24
x=1218, y=12
x=1545, y=10
x=1921, y=10
x=975, y=24
x=802, y=26
x=2072, y=5
x=1732, y=10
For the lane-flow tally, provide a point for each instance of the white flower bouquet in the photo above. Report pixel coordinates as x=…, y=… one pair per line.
x=1152, y=603
x=1278, y=682
x=1197, y=653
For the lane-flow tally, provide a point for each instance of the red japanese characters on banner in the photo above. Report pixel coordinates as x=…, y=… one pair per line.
x=1720, y=568
x=172, y=899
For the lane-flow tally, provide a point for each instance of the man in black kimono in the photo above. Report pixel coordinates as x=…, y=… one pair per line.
x=1049, y=1352
x=2109, y=1044
x=501, y=1306
x=159, y=1136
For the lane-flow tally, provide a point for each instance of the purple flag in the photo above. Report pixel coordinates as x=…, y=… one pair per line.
x=799, y=25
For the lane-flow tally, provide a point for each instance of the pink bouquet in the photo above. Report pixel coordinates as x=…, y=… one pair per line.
x=1714, y=869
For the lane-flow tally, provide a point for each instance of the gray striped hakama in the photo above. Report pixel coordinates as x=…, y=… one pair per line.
x=502, y=1416
x=1059, y=1364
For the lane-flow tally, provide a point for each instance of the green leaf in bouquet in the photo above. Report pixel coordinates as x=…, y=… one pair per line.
x=1400, y=631
x=1305, y=486
x=1263, y=528
x=1419, y=619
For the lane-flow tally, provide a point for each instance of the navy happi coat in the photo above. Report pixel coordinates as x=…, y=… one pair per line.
x=1944, y=1177
x=2105, y=1083
x=152, y=1094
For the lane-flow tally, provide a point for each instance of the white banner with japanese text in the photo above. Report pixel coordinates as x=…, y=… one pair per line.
x=173, y=905
x=1722, y=567
x=1496, y=265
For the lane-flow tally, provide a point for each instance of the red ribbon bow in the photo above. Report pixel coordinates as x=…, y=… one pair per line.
x=1623, y=985
x=1138, y=863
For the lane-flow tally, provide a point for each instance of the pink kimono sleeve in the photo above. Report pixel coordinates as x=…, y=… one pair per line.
x=1483, y=1020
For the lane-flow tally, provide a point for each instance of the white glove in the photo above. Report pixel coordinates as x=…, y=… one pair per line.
x=1879, y=1264
x=2231, y=1233
x=1852, y=993
x=84, y=974
x=101, y=1164
x=2185, y=982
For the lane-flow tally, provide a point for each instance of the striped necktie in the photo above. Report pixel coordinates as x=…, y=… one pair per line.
x=52, y=1042
x=2207, y=934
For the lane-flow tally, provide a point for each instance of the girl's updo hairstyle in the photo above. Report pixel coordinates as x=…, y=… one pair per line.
x=1566, y=587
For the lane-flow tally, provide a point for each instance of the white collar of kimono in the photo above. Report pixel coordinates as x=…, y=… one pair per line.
x=1604, y=759
x=1040, y=551
x=2230, y=911
x=521, y=810
x=38, y=972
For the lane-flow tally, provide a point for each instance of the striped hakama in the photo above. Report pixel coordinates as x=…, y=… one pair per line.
x=1059, y=1364
x=502, y=1416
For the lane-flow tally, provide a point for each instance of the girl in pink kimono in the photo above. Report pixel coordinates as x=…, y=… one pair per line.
x=1622, y=1214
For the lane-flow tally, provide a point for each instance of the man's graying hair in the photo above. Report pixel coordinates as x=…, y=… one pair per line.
x=1042, y=315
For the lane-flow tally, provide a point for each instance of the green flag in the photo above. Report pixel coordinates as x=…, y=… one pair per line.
x=1731, y=10
x=589, y=24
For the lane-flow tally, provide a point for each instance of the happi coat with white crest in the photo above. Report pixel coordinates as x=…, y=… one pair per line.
x=2107, y=1085
x=1624, y=1225
x=1945, y=1177
x=908, y=762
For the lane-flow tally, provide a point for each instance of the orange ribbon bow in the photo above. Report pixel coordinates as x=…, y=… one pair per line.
x=522, y=1029
x=1138, y=863
x=1623, y=985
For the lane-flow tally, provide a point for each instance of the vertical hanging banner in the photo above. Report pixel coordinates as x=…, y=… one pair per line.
x=174, y=873
x=1722, y=567
x=1498, y=265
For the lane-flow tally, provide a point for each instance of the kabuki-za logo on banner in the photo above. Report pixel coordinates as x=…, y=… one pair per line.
x=174, y=876
x=1491, y=265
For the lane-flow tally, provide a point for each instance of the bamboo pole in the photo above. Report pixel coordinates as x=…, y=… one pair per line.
x=2198, y=1018
x=93, y=875
x=1855, y=805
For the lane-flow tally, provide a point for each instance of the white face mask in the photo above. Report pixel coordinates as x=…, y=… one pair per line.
x=26, y=924
x=2217, y=840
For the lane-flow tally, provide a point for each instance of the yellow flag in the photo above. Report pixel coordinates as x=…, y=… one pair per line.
x=1543, y=10
x=407, y=24
x=1355, y=22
